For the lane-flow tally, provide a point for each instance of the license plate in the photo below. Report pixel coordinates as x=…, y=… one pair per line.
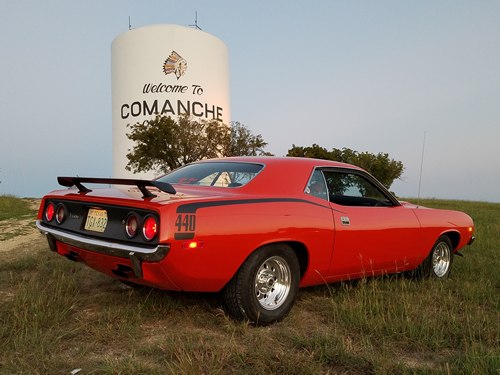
x=96, y=220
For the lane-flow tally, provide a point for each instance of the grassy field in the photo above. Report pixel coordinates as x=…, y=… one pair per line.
x=16, y=216
x=14, y=208
x=57, y=316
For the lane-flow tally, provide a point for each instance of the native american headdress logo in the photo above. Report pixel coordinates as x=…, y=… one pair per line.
x=175, y=64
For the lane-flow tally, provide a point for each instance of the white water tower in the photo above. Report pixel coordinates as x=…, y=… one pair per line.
x=166, y=69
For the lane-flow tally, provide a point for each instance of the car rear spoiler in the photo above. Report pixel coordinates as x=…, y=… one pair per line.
x=141, y=184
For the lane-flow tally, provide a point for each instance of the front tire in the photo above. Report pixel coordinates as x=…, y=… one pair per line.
x=264, y=288
x=438, y=263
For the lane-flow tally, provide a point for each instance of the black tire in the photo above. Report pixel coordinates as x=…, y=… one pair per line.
x=438, y=263
x=265, y=287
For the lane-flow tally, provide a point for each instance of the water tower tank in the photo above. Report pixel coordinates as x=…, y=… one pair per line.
x=166, y=69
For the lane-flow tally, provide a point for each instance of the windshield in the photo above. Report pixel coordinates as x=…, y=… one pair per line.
x=220, y=174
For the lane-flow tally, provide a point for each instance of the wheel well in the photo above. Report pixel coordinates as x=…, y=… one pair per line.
x=299, y=249
x=302, y=255
x=454, y=238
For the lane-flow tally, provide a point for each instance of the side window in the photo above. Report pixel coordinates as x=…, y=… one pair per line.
x=352, y=189
x=317, y=185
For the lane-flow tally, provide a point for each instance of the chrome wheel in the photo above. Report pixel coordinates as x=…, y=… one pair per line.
x=272, y=283
x=264, y=288
x=441, y=259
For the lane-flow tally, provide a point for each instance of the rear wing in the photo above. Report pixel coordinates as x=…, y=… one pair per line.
x=141, y=184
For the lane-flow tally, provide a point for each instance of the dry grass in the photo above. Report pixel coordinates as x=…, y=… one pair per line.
x=56, y=316
x=16, y=216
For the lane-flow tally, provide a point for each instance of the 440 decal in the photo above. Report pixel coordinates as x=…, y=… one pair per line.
x=185, y=226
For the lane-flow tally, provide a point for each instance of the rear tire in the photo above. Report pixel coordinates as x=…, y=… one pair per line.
x=265, y=287
x=438, y=263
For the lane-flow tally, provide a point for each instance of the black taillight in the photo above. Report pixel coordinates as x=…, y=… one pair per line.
x=60, y=213
x=131, y=225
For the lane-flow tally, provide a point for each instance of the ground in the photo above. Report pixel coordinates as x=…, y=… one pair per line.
x=57, y=316
x=18, y=235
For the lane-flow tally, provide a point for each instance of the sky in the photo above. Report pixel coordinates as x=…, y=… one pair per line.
x=409, y=78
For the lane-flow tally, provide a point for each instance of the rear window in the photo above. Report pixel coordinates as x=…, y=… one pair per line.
x=220, y=174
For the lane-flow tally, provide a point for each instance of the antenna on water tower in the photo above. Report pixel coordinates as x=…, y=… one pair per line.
x=195, y=21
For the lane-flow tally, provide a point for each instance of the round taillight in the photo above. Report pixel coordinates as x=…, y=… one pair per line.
x=50, y=211
x=149, y=228
x=60, y=213
x=131, y=225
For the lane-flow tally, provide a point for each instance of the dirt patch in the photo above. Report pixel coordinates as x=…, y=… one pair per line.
x=19, y=235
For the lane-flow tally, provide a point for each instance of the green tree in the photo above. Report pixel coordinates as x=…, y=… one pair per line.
x=244, y=143
x=314, y=151
x=163, y=143
x=380, y=165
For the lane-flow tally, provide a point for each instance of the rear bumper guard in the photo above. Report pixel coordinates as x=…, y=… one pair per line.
x=136, y=254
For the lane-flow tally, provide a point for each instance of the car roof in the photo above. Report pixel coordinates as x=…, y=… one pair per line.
x=281, y=175
x=283, y=161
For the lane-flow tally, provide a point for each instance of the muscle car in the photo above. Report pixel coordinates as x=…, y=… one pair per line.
x=254, y=229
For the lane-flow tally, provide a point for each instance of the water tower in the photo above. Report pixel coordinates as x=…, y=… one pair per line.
x=165, y=69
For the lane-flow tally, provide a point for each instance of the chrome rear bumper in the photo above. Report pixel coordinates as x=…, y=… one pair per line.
x=136, y=254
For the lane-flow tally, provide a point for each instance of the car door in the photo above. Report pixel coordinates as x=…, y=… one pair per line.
x=374, y=234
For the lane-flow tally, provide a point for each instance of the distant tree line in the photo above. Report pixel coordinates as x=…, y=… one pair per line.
x=163, y=144
x=380, y=165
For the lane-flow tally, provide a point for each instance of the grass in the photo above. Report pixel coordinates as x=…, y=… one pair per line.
x=12, y=207
x=16, y=216
x=56, y=316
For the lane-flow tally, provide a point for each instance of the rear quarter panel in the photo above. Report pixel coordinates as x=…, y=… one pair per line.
x=231, y=231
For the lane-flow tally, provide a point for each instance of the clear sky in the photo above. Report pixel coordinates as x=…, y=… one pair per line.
x=368, y=75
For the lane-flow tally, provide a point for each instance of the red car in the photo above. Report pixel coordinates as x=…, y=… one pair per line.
x=254, y=228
